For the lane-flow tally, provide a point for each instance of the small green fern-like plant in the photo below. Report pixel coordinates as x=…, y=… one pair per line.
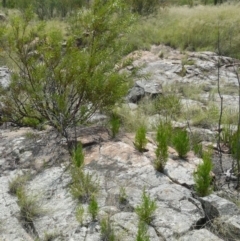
x=140, y=138
x=146, y=209
x=162, y=138
x=181, y=142
x=203, y=176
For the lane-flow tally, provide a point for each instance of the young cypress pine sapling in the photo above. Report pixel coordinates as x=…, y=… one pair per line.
x=142, y=234
x=93, y=208
x=181, y=142
x=203, y=176
x=146, y=209
x=78, y=156
x=140, y=138
x=162, y=138
x=114, y=124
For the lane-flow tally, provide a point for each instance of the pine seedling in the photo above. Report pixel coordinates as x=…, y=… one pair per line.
x=78, y=156
x=114, y=124
x=93, y=208
x=142, y=234
x=140, y=138
x=203, y=176
x=162, y=137
x=181, y=142
x=146, y=209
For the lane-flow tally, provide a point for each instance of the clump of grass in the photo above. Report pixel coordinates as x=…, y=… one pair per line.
x=80, y=214
x=206, y=118
x=191, y=29
x=140, y=138
x=181, y=142
x=31, y=135
x=132, y=120
x=169, y=106
x=146, y=209
x=196, y=145
x=122, y=195
x=107, y=231
x=18, y=182
x=203, y=176
x=29, y=206
x=83, y=186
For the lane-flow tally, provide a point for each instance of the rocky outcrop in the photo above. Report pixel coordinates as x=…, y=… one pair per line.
x=117, y=166
x=165, y=66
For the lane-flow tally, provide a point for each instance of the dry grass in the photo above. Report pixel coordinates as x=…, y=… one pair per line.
x=193, y=28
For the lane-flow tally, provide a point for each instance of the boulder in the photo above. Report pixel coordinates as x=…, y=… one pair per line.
x=135, y=94
x=2, y=17
x=228, y=227
x=215, y=206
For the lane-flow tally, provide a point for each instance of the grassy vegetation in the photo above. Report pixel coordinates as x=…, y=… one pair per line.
x=29, y=205
x=17, y=183
x=191, y=29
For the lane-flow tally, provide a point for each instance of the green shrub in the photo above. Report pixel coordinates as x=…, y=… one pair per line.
x=115, y=123
x=132, y=120
x=146, y=209
x=162, y=138
x=180, y=142
x=53, y=94
x=93, y=207
x=140, y=138
x=203, y=177
x=142, y=232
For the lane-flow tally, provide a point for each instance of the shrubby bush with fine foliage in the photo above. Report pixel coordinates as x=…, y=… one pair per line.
x=61, y=79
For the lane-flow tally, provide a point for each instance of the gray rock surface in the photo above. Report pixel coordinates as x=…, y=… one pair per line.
x=216, y=206
x=116, y=165
x=199, y=235
x=4, y=77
